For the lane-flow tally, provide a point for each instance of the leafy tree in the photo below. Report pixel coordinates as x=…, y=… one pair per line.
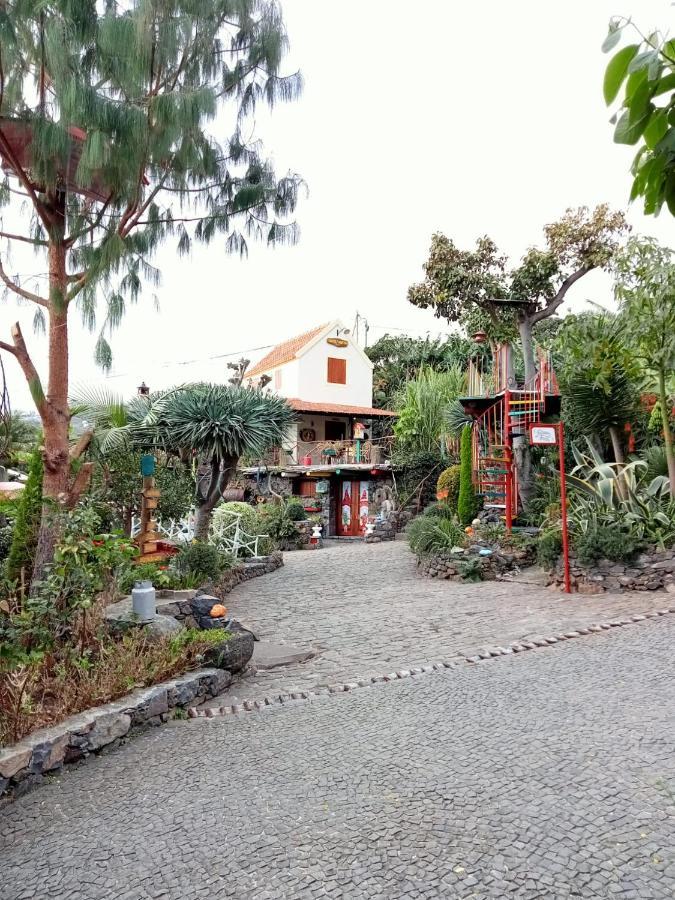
x=645, y=289
x=399, y=359
x=467, y=502
x=477, y=287
x=112, y=134
x=118, y=484
x=220, y=424
x=641, y=76
x=599, y=375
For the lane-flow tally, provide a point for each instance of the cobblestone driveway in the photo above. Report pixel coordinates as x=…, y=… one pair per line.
x=365, y=611
x=550, y=774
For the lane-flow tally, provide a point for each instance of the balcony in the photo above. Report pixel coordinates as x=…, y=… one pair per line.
x=333, y=454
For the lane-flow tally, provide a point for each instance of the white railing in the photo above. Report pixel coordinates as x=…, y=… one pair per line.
x=230, y=536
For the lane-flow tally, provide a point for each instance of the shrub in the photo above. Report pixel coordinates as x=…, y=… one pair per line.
x=605, y=542
x=449, y=481
x=225, y=513
x=431, y=534
x=549, y=548
x=467, y=503
x=440, y=510
x=159, y=575
x=295, y=511
x=27, y=523
x=198, y=562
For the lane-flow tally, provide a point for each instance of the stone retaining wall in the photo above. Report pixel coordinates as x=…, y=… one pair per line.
x=383, y=531
x=45, y=752
x=457, y=566
x=650, y=571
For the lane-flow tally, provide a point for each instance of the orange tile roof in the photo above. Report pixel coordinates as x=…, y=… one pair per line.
x=284, y=352
x=339, y=409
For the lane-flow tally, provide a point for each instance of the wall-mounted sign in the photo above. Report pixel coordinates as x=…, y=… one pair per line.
x=543, y=434
x=337, y=342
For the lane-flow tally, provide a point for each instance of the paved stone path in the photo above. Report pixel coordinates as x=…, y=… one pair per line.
x=365, y=611
x=546, y=775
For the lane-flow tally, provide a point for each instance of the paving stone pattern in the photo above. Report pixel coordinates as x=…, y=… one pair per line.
x=365, y=610
x=539, y=776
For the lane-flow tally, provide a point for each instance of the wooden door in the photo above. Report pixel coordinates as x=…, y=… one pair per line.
x=352, y=507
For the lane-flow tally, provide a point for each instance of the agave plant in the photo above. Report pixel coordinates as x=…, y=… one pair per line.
x=611, y=494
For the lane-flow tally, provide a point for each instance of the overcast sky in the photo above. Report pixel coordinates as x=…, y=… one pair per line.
x=462, y=117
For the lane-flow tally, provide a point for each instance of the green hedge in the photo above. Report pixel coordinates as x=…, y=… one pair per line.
x=27, y=523
x=467, y=503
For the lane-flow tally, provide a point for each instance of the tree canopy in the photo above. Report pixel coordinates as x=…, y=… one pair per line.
x=459, y=284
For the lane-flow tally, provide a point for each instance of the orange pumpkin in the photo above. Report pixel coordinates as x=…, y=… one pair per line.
x=468, y=530
x=217, y=611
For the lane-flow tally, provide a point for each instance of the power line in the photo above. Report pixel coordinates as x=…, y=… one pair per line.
x=190, y=362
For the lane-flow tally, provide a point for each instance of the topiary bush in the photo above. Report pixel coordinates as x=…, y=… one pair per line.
x=27, y=523
x=467, y=503
x=295, y=511
x=449, y=481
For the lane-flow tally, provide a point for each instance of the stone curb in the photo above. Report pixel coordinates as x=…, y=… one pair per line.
x=46, y=751
x=489, y=653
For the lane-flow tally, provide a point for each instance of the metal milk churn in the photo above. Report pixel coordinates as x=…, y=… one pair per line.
x=143, y=601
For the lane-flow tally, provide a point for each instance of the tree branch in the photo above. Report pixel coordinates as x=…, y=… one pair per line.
x=6, y=151
x=26, y=240
x=81, y=445
x=553, y=305
x=27, y=295
x=19, y=350
x=80, y=484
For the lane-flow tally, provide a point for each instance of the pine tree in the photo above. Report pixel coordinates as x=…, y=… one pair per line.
x=112, y=129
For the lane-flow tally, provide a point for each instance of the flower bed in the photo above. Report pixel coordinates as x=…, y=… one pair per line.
x=44, y=752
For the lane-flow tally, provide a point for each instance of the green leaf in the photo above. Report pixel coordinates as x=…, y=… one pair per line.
x=642, y=60
x=665, y=84
x=656, y=129
x=630, y=133
x=612, y=39
x=616, y=72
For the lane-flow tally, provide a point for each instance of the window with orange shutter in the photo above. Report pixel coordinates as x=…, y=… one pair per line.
x=337, y=370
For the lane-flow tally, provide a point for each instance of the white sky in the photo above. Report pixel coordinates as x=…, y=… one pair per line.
x=463, y=117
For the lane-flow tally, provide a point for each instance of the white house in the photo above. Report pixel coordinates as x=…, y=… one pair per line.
x=328, y=379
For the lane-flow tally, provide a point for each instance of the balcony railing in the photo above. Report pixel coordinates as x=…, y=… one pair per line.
x=330, y=453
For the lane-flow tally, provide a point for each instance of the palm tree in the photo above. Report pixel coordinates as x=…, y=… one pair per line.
x=219, y=424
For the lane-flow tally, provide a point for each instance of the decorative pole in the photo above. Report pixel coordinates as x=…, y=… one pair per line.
x=148, y=536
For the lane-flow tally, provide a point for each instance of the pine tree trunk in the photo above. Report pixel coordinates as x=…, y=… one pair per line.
x=667, y=434
x=56, y=418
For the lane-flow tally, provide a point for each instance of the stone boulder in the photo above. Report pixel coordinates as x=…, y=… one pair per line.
x=234, y=652
x=161, y=627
